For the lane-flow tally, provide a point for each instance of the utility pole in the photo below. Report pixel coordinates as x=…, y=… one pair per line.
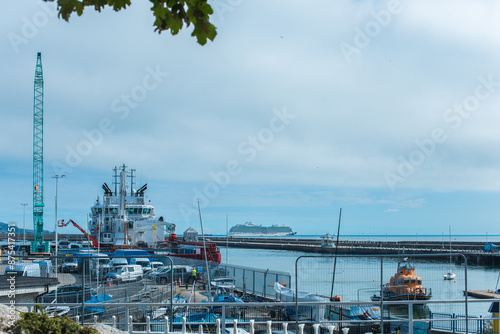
x=57, y=177
x=24, y=222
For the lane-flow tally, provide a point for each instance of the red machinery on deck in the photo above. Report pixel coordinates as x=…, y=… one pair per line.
x=61, y=223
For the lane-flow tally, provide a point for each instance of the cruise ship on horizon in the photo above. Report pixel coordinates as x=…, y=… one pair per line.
x=250, y=229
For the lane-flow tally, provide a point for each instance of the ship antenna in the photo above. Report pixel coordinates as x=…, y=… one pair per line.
x=336, y=252
x=132, y=182
x=115, y=176
x=205, y=251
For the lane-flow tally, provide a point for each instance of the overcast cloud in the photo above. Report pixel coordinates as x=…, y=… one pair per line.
x=386, y=109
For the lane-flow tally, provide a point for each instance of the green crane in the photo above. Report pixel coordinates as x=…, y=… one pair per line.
x=38, y=246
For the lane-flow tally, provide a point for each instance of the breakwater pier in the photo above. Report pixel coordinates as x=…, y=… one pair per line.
x=473, y=251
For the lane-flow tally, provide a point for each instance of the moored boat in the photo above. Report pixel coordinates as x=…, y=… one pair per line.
x=404, y=285
x=125, y=219
x=449, y=276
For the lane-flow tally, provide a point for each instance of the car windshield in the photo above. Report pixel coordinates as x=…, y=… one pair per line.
x=103, y=261
x=116, y=271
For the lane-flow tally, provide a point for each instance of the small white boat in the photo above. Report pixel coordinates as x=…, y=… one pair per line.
x=317, y=312
x=449, y=276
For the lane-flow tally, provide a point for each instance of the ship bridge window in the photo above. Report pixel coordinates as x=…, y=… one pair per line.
x=419, y=281
x=413, y=281
x=407, y=281
x=99, y=210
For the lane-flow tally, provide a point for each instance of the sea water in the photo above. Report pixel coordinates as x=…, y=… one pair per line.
x=358, y=278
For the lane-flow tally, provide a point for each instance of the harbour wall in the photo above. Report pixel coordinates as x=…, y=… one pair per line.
x=473, y=251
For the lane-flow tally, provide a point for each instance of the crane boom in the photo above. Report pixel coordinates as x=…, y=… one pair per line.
x=95, y=244
x=38, y=245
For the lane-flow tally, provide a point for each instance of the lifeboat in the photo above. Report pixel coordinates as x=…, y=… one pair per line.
x=404, y=285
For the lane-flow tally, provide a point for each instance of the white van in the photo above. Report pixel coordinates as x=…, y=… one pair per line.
x=143, y=262
x=46, y=268
x=23, y=269
x=131, y=272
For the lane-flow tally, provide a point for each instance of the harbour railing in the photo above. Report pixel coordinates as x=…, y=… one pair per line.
x=260, y=317
x=347, y=284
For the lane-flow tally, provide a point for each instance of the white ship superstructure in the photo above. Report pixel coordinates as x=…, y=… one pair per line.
x=125, y=216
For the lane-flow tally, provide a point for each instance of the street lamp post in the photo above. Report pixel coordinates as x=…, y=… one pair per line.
x=24, y=222
x=57, y=177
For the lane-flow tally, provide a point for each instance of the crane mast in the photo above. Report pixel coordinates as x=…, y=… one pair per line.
x=38, y=246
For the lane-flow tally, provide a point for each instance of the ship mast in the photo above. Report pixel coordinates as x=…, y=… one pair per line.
x=123, y=194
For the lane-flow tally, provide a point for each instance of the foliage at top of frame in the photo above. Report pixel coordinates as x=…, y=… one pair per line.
x=168, y=14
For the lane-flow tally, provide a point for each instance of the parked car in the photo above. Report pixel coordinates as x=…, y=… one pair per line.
x=180, y=272
x=156, y=271
x=68, y=294
x=156, y=265
x=69, y=265
x=86, y=244
x=128, y=273
x=63, y=243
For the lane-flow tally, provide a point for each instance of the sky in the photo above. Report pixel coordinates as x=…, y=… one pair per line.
x=386, y=109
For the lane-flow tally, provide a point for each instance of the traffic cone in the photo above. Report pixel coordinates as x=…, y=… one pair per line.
x=180, y=283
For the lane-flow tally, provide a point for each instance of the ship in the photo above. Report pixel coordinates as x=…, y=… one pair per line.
x=250, y=229
x=125, y=219
x=404, y=285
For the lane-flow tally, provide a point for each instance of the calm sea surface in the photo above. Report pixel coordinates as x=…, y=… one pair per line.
x=358, y=278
